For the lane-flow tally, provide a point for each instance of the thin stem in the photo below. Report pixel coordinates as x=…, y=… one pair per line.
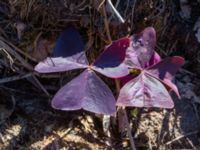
x=117, y=83
x=125, y=118
x=129, y=129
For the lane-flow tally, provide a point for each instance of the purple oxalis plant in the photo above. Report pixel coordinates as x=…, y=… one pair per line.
x=86, y=91
x=148, y=89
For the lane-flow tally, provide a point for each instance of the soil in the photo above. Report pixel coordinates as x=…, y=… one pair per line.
x=28, y=31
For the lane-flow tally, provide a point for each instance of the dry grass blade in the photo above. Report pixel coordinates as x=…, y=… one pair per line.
x=14, y=78
x=41, y=86
x=16, y=55
x=10, y=59
x=116, y=12
x=20, y=23
x=182, y=136
x=18, y=50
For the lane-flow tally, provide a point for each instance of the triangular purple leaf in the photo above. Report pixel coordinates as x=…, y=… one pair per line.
x=144, y=91
x=86, y=91
x=110, y=62
x=68, y=54
x=58, y=64
x=167, y=68
x=171, y=86
x=141, y=48
x=68, y=43
x=165, y=71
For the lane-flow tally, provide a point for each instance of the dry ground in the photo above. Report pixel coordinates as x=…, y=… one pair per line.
x=28, y=30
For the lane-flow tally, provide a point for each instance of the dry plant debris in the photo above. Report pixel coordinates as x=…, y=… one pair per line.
x=28, y=30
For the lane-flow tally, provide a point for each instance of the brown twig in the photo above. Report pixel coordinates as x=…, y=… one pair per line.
x=101, y=4
x=106, y=23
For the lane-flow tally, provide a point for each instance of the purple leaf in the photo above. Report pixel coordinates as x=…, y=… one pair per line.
x=125, y=79
x=145, y=91
x=110, y=62
x=167, y=68
x=86, y=91
x=68, y=54
x=155, y=58
x=165, y=71
x=141, y=48
x=59, y=64
x=68, y=43
x=171, y=86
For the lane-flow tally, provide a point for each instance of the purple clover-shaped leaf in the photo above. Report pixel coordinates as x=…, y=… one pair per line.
x=154, y=59
x=86, y=91
x=165, y=71
x=166, y=68
x=144, y=91
x=150, y=87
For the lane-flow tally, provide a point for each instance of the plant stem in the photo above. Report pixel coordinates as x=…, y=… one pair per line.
x=126, y=119
x=117, y=82
x=129, y=130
